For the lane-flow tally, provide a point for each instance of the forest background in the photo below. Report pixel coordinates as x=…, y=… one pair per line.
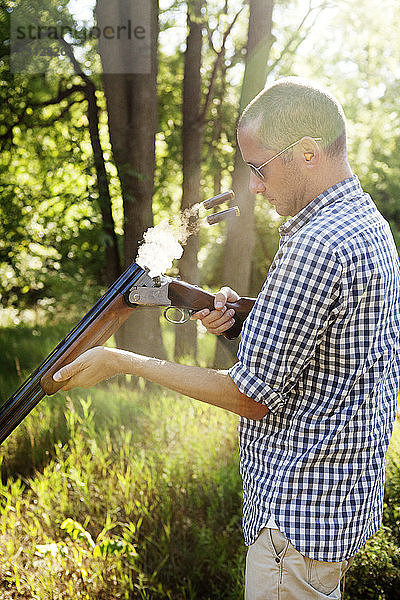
x=128, y=491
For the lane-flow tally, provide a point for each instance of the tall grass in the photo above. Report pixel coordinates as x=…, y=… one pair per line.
x=150, y=509
x=22, y=349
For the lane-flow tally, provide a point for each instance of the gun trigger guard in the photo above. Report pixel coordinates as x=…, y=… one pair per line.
x=185, y=315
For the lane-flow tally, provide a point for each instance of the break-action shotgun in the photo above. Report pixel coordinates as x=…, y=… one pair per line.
x=134, y=289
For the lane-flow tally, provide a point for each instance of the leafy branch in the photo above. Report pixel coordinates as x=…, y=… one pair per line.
x=220, y=55
x=295, y=40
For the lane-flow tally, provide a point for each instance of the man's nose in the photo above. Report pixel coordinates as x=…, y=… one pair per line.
x=256, y=185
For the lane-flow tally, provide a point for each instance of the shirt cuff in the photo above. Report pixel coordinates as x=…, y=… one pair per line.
x=252, y=386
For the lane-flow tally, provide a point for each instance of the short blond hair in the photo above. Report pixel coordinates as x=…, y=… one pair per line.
x=291, y=108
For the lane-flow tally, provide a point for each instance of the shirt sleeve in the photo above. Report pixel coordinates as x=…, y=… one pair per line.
x=299, y=298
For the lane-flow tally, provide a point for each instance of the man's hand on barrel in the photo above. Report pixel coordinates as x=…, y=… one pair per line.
x=89, y=368
x=221, y=319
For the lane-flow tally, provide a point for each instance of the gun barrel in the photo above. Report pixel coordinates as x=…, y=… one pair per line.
x=15, y=409
x=219, y=199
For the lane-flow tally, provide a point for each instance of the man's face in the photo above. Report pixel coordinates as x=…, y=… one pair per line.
x=284, y=184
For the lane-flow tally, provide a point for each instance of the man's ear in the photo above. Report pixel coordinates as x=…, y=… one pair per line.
x=310, y=151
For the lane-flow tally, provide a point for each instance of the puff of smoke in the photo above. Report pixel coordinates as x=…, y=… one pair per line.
x=164, y=242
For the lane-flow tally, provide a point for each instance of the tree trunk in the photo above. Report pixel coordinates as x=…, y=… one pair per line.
x=240, y=232
x=111, y=243
x=192, y=141
x=112, y=254
x=132, y=120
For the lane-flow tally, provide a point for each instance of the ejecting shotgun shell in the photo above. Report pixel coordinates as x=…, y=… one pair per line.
x=222, y=215
x=215, y=200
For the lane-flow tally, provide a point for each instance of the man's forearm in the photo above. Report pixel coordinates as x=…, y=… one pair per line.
x=208, y=385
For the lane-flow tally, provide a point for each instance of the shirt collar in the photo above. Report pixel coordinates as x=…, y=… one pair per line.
x=348, y=187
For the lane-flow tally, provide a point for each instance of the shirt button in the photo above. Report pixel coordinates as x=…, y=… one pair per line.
x=278, y=560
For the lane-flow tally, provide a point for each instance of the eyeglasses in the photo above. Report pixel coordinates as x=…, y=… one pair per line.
x=257, y=170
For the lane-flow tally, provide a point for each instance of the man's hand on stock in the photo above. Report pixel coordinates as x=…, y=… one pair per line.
x=219, y=320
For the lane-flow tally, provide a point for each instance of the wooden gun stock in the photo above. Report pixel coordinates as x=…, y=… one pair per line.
x=185, y=295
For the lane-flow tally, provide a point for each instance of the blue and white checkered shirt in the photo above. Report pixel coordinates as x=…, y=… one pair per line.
x=321, y=350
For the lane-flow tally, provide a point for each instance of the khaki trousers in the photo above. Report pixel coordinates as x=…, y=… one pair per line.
x=275, y=570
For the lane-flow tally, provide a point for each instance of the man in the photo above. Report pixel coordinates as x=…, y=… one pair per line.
x=317, y=376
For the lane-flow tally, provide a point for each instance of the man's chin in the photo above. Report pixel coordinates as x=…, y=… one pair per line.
x=281, y=211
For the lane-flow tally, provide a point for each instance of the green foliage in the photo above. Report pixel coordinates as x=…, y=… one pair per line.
x=375, y=572
x=358, y=62
x=51, y=234
x=115, y=515
x=48, y=241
